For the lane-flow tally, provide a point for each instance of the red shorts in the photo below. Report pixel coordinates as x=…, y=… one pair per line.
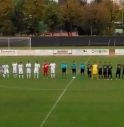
x=45, y=71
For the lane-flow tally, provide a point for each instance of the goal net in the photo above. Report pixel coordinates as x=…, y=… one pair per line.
x=15, y=42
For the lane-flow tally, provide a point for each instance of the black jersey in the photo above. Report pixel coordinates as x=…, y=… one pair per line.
x=123, y=70
x=105, y=68
x=109, y=68
x=118, y=70
x=89, y=68
x=100, y=68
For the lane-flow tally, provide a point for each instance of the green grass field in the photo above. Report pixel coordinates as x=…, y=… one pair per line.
x=62, y=102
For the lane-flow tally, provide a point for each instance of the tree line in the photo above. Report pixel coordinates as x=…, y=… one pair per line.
x=19, y=17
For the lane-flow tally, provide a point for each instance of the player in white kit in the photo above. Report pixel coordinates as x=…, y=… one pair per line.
x=5, y=70
x=52, y=69
x=36, y=69
x=14, y=69
x=28, y=70
x=20, y=70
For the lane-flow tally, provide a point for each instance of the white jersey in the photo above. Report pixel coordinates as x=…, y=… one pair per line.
x=36, y=67
x=14, y=67
x=52, y=67
x=28, y=67
x=5, y=69
x=20, y=68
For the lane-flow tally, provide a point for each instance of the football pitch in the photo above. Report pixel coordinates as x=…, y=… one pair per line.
x=62, y=102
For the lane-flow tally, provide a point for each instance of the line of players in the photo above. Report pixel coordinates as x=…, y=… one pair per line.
x=93, y=70
x=105, y=71
x=98, y=71
x=18, y=70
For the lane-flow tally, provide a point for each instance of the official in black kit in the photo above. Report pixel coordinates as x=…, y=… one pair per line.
x=89, y=70
x=109, y=71
x=100, y=71
x=105, y=71
x=118, y=71
x=122, y=71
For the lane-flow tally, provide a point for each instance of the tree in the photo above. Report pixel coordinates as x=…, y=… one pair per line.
x=71, y=14
x=98, y=1
x=35, y=16
x=51, y=16
x=112, y=11
x=17, y=16
x=6, y=25
x=98, y=18
x=33, y=11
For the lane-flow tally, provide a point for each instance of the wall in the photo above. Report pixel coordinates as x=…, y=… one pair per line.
x=78, y=41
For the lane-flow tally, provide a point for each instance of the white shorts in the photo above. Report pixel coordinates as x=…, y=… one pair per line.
x=36, y=71
x=6, y=72
x=14, y=71
x=28, y=71
x=21, y=72
x=52, y=71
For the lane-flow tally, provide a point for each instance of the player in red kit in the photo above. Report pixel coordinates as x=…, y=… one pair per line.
x=45, y=68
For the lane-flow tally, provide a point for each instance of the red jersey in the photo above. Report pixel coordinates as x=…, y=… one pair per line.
x=46, y=67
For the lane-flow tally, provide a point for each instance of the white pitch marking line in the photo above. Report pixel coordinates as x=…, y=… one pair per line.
x=55, y=104
x=57, y=101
